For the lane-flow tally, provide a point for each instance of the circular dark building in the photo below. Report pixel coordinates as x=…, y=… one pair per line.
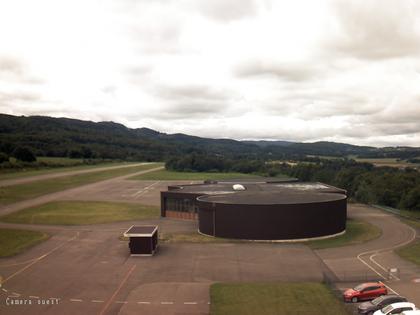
x=258, y=210
x=268, y=216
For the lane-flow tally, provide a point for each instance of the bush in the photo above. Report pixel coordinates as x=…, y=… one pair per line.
x=24, y=154
x=4, y=157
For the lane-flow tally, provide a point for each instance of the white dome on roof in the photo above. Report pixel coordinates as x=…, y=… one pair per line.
x=238, y=187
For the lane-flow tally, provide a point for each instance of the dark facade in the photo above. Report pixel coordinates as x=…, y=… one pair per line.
x=143, y=240
x=279, y=220
x=264, y=210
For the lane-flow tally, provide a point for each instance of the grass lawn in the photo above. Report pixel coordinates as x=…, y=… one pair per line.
x=82, y=212
x=13, y=242
x=410, y=252
x=11, y=194
x=193, y=237
x=357, y=232
x=274, y=298
x=172, y=175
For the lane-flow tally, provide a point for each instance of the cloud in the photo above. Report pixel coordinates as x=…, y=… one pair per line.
x=289, y=71
x=201, y=92
x=226, y=10
x=376, y=29
x=9, y=65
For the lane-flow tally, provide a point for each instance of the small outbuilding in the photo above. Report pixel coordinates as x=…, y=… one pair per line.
x=143, y=239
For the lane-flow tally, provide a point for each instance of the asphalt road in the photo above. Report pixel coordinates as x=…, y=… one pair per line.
x=88, y=270
x=30, y=179
x=69, y=193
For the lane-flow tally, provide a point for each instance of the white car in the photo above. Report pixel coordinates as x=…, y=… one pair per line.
x=411, y=312
x=396, y=308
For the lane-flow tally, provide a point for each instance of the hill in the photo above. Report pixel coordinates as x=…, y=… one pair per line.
x=48, y=136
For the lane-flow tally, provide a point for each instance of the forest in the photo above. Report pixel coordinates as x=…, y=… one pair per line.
x=392, y=187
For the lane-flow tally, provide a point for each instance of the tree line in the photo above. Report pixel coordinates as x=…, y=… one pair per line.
x=393, y=187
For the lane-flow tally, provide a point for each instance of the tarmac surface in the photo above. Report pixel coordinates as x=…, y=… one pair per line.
x=30, y=179
x=88, y=269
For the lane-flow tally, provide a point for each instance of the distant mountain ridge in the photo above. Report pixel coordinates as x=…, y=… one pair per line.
x=48, y=136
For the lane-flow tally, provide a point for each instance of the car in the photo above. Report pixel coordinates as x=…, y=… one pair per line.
x=368, y=308
x=365, y=291
x=417, y=312
x=396, y=308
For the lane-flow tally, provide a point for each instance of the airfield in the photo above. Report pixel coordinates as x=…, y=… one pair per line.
x=87, y=269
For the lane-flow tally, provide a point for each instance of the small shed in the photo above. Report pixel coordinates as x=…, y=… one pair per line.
x=143, y=239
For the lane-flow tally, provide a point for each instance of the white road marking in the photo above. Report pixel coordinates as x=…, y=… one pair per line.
x=381, y=251
x=14, y=293
x=76, y=300
x=144, y=190
x=4, y=290
x=121, y=302
x=40, y=258
x=141, y=302
x=34, y=297
x=190, y=303
x=166, y=303
x=97, y=301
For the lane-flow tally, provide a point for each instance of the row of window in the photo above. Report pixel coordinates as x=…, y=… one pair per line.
x=181, y=205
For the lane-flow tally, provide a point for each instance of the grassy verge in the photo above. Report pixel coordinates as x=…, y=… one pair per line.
x=357, y=232
x=11, y=194
x=172, y=175
x=274, y=298
x=13, y=242
x=192, y=237
x=81, y=212
x=410, y=252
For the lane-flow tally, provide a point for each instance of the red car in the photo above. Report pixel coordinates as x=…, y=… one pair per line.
x=365, y=291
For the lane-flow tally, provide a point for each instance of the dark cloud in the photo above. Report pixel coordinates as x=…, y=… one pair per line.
x=287, y=71
x=376, y=29
x=226, y=10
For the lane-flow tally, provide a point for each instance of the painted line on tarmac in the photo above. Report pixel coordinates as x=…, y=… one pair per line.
x=117, y=290
x=76, y=300
x=39, y=259
x=166, y=303
x=144, y=190
x=190, y=303
x=143, y=302
x=34, y=297
x=97, y=301
x=381, y=251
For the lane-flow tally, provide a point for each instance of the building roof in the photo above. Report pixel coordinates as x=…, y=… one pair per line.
x=141, y=230
x=270, y=197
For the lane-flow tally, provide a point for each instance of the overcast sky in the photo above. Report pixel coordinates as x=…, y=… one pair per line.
x=345, y=71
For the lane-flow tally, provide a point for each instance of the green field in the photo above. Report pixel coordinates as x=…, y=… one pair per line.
x=392, y=162
x=26, y=172
x=357, y=232
x=172, y=175
x=11, y=194
x=81, y=213
x=13, y=242
x=410, y=252
x=274, y=298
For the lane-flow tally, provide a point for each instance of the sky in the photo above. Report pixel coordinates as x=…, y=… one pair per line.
x=343, y=71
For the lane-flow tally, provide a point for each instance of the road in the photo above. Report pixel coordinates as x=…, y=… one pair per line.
x=88, y=270
x=68, y=193
x=30, y=179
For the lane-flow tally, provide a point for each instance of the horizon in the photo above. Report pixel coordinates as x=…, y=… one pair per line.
x=325, y=70
x=220, y=138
